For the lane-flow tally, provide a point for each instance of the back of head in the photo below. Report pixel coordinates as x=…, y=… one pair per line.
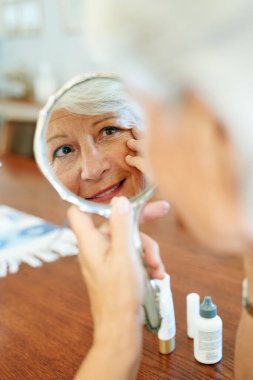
x=203, y=46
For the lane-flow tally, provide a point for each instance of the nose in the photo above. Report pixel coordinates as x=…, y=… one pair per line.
x=94, y=164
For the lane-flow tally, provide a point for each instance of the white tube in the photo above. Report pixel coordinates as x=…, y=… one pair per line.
x=167, y=331
x=192, y=312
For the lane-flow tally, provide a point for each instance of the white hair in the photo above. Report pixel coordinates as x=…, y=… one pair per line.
x=99, y=95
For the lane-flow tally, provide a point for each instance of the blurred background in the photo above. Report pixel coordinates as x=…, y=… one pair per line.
x=41, y=46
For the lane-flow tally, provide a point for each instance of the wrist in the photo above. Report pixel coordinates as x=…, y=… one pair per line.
x=115, y=353
x=119, y=335
x=106, y=362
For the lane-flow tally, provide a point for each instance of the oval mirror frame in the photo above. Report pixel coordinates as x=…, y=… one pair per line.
x=150, y=305
x=41, y=157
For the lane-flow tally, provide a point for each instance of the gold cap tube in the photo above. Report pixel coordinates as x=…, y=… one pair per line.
x=167, y=346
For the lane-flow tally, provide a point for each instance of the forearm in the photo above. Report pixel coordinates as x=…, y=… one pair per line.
x=114, y=355
x=248, y=268
x=243, y=349
x=104, y=363
x=244, y=339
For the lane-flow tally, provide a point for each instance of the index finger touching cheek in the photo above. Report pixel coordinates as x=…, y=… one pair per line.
x=137, y=133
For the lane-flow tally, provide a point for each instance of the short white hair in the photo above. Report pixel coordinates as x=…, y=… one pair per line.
x=100, y=94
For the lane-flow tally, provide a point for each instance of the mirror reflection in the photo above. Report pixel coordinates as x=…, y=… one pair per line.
x=91, y=130
x=88, y=145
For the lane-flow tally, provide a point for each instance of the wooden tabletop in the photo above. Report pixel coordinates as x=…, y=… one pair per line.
x=45, y=323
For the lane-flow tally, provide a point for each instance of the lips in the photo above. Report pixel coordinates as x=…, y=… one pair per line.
x=108, y=193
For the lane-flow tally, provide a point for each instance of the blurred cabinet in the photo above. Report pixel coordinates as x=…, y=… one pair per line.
x=17, y=125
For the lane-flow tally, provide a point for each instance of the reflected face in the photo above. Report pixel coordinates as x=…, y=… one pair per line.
x=87, y=154
x=201, y=177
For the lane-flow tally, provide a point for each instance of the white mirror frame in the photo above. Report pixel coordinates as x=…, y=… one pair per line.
x=151, y=307
x=43, y=162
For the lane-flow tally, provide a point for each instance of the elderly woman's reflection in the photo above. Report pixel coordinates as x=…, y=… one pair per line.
x=90, y=134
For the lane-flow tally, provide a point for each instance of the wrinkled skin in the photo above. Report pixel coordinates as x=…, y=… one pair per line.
x=201, y=177
x=87, y=154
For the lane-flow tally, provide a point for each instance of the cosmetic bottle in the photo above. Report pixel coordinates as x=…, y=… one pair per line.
x=167, y=330
x=192, y=312
x=208, y=334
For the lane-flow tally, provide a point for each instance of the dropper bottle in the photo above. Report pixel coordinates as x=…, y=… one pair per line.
x=208, y=334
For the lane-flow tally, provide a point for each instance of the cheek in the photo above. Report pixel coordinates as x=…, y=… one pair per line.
x=118, y=152
x=137, y=179
x=68, y=174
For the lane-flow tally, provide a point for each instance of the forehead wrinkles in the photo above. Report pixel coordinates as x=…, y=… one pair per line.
x=65, y=122
x=68, y=124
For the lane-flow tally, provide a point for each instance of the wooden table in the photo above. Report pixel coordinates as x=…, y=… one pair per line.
x=45, y=323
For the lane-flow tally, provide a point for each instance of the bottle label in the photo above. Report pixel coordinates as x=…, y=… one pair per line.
x=209, y=345
x=168, y=326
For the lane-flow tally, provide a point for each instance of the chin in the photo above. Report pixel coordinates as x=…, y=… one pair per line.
x=133, y=187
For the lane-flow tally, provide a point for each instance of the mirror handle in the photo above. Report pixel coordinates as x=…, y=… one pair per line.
x=151, y=294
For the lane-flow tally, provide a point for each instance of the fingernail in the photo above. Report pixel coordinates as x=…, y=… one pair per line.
x=166, y=205
x=121, y=204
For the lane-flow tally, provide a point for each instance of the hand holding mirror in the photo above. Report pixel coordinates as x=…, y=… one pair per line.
x=80, y=146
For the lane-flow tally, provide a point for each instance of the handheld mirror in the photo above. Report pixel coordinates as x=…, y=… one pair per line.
x=80, y=146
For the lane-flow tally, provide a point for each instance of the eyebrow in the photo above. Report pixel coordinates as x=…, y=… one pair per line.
x=55, y=137
x=106, y=118
x=94, y=124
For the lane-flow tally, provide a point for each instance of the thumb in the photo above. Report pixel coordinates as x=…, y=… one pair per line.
x=121, y=225
x=83, y=227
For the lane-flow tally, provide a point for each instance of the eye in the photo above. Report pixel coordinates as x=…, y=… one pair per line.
x=62, y=151
x=109, y=131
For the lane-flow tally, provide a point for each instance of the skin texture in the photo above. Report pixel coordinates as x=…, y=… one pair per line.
x=199, y=157
x=114, y=262
x=87, y=154
x=136, y=158
x=243, y=348
x=111, y=252
x=90, y=160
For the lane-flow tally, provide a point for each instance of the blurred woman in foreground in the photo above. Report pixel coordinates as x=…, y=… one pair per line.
x=195, y=62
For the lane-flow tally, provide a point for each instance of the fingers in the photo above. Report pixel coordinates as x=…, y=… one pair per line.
x=86, y=233
x=129, y=263
x=105, y=228
x=151, y=257
x=154, y=210
x=135, y=145
x=80, y=222
x=137, y=134
x=121, y=225
x=135, y=161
